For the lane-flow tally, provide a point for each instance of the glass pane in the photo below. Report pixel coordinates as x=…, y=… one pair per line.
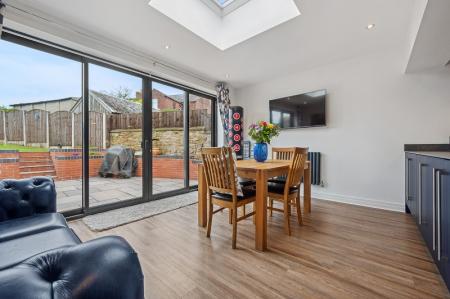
x=168, y=138
x=200, y=122
x=39, y=132
x=115, y=124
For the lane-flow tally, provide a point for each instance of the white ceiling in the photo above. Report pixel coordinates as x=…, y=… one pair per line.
x=225, y=31
x=326, y=32
x=431, y=47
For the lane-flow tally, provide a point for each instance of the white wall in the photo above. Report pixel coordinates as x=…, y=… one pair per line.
x=372, y=111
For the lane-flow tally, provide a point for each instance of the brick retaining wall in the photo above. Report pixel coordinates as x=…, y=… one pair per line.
x=68, y=165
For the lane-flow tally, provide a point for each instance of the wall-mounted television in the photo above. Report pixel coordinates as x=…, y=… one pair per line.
x=299, y=111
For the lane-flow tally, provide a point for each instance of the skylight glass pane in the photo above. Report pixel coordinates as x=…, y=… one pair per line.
x=223, y=3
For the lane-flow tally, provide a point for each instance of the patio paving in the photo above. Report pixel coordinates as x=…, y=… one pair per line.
x=109, y=190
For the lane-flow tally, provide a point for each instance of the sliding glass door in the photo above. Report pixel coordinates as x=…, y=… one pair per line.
x=168, y=138
x=201, y=131
x=109, y=136
x=115, y=136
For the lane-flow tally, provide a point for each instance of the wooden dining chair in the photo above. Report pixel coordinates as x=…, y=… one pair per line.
x=287, y=190
x=280, y=153
x=222, y=186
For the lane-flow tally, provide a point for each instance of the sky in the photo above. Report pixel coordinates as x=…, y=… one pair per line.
x=28, y=75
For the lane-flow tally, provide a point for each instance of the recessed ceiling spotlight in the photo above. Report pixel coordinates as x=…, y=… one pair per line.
x=167, y=47
x=370, y=26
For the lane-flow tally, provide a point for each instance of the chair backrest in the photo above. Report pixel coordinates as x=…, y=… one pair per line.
x=297, y=167
x=282, y=153
x=218, y=166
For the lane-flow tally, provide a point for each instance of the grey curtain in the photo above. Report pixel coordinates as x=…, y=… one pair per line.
x=223, y=101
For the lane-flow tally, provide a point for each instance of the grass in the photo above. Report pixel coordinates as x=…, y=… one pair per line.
x=22, y=148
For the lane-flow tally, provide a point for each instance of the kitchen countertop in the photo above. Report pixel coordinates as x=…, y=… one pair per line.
x=442, y=155
x=427, y=147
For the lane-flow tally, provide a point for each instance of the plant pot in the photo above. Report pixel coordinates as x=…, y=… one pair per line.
x=260, y=152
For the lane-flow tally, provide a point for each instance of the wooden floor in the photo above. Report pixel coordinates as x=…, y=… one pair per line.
x=341, y=251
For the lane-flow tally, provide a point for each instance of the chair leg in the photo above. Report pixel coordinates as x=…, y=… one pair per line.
x=210, y=215
x=234, y=228
x=271, y=207
x=287, y=225
x=299, y=211
x=243, y=210
x=254, y=215
x=230, y=216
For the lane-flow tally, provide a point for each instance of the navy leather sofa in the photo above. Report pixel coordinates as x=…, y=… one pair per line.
x=41, y=257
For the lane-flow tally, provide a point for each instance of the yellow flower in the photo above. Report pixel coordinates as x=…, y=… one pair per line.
x=270, y=126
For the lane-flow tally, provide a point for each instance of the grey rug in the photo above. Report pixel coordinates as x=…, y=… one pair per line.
x=107, y=220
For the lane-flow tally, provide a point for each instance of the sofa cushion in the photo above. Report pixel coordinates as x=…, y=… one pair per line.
x=17, y=250
x=22, y=198
x=17, y=228
x=103, y=268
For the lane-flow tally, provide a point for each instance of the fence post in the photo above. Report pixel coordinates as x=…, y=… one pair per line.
x=24, y=128
x=104, y=130
x=4, y=127
x=73, y=129
x=47, y=128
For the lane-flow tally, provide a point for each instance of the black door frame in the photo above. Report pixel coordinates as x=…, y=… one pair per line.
x=85, y=59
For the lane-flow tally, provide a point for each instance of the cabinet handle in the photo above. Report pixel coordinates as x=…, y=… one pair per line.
x=438, y=212
x=407, y=177
x=434, y=209
x=420, y=193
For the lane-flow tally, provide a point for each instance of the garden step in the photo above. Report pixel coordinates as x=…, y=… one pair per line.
x=27, y=157
x=37, y=154
x=37, y=162
x=36, y=168
x=30, y=174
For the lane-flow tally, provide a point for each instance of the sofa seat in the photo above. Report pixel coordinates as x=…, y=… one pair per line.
x=17, y=250
x=38, y=223
x=105, y=268
x=41, y=257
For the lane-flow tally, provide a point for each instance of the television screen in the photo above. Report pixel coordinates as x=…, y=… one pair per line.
x=299, y=111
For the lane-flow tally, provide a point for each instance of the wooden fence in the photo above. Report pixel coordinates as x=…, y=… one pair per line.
x=170, y=119
x=63, y=128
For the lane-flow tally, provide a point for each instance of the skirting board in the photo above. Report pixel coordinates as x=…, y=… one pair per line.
x=359, y=201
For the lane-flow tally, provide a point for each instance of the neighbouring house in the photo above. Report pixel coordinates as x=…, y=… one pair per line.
x=64, y=104
x=98, y=102
x=102, y=103
x=161, y=101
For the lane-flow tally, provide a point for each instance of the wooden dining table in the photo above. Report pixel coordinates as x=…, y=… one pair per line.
x=261, y=172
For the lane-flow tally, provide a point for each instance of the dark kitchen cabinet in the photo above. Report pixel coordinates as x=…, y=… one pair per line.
x=442, y=197
x=410, y=182
x=427, y=190
x=425, y=214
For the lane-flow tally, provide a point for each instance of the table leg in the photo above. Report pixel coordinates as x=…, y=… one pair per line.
x=261, y=211
x=202, y=197
x=307, y=190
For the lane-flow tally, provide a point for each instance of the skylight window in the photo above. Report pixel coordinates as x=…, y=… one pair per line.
x=224, y=7
x=226, y=23
x=224, y=3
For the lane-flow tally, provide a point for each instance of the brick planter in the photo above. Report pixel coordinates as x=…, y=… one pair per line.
x=9, y=164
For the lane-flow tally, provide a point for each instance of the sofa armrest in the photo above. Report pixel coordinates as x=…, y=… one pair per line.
x=22, y=198
x=102, y=268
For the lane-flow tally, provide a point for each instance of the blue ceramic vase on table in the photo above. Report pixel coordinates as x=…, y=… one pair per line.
x=260, y=152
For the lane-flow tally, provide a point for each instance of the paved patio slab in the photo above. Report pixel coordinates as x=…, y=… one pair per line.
x=109, y=190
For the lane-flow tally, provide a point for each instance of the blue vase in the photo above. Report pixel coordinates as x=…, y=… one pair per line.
x=260, y=152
